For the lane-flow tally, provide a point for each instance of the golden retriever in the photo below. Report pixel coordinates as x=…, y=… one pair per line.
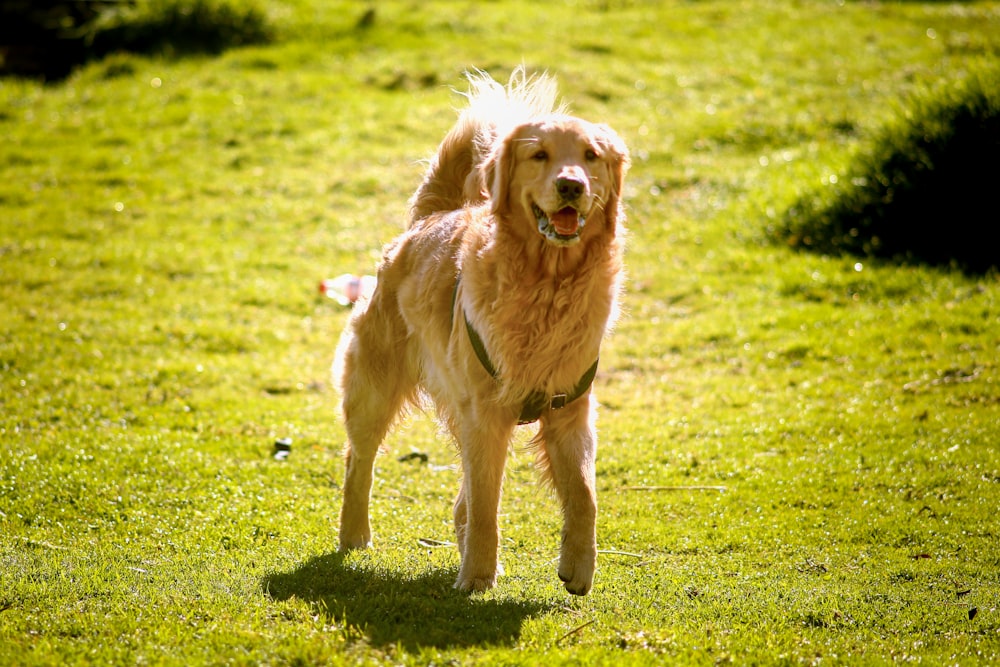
x=494, y=303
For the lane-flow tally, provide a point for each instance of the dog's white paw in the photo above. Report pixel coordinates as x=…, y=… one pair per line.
x=475, y=584
x=354, y=545
x=350, y=541
x=577, y=573
x=478, y=582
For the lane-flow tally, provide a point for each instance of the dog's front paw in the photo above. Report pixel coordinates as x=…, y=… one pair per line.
x=355, y=529
x=577, y=571
x=354, y=545
x=347, y=544
x=355, y=538
x=478, y=582
x=475, y=584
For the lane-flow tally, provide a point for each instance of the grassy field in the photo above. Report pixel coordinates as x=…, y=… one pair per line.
x=800, y=454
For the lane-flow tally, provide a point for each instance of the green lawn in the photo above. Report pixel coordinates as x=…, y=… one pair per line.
x=800, y=454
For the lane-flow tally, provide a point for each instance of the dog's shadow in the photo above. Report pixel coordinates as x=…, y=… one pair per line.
x=417, y=611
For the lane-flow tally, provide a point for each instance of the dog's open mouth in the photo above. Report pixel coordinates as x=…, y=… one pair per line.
x=562, y=227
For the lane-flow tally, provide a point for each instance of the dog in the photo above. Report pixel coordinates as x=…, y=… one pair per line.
x=494, y=303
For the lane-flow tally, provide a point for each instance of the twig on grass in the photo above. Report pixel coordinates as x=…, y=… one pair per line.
x=39, y=543
x=576, y=630
x=612, y=552
x=428, y=542
x=720, y=489
x=952, y=376
x=973, y=610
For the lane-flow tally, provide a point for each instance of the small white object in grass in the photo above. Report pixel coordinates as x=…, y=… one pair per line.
x=347, y=288
x=282, y=448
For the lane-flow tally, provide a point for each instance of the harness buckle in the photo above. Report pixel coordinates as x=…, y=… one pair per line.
x=558, y=402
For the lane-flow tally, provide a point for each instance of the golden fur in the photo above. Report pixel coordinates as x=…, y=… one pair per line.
x=520, y=209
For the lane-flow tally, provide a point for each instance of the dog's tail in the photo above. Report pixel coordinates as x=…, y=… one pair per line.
x=453, y=177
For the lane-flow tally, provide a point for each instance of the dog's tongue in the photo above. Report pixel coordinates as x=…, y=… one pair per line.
x=566, y=221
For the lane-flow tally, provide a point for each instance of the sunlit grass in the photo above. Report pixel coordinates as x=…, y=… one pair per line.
x=797, y=459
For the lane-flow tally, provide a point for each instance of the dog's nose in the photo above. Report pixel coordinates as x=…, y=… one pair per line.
x=569, y=189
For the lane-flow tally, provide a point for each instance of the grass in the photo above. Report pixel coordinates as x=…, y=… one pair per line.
x=164, y=224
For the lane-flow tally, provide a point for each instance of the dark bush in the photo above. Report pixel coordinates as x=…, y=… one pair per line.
x=38, y=38
x=48, y=38
x=922, y=191
x=178, y=27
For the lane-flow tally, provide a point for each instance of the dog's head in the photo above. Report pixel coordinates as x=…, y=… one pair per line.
x=560, y=174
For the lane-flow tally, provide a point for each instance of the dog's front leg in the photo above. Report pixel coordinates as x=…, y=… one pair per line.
x=484, y=454
x=569, y=451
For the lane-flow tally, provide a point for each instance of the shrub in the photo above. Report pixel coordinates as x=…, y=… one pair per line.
x=37, y=36
x=922, y=190
x=178, y=27
x=48, y=38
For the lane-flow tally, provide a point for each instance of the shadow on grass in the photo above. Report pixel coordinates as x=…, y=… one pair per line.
x=389, y=607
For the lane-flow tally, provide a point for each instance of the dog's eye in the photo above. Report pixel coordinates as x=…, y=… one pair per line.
x=540, y=156
x=590, y=155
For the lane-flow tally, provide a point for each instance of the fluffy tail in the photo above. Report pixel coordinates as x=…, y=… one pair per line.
x=453, y=177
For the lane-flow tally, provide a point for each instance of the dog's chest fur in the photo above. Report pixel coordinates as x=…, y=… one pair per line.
x=543, y=331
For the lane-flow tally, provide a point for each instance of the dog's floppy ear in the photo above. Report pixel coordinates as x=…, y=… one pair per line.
x=497, y=171
x=618, y=161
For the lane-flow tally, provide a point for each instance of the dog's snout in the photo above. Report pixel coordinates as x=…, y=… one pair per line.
x=569, y=189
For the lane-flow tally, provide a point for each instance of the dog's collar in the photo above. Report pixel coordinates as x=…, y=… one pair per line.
x=538, y=401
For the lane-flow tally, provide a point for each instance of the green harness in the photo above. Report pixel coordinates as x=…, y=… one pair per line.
x=538, y=401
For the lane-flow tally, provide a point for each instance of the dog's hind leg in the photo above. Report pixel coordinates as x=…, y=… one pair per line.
x=376, y=383
x=567, y=449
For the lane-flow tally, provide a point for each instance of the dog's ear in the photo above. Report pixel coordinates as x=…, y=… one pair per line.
x=618, y=161
x=497, y=172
